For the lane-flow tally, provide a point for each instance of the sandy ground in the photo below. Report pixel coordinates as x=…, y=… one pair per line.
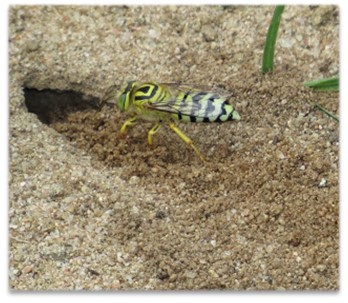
x=90, y=211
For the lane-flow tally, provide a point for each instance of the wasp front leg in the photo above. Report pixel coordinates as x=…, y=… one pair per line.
x=129, y=122
x=152, y=132
x=186, y=139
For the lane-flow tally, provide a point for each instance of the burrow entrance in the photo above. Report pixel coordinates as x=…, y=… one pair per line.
x=95, y=129
x=52, y=106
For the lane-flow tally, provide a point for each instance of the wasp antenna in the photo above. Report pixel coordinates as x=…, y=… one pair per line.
x=106, y=103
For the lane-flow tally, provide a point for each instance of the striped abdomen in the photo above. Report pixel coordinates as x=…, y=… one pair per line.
x=204, y=107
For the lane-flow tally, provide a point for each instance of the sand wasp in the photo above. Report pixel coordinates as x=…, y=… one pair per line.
x=164, y=103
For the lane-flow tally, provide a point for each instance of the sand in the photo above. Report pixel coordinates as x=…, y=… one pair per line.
x=90, y=211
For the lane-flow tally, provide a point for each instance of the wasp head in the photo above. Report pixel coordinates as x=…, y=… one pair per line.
x=123, y=101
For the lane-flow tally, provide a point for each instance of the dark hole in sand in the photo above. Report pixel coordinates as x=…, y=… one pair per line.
x=53, y=105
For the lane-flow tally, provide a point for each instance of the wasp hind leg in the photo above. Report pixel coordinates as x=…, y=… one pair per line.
x=152, y=131
x=128, y=122
x=186, y=139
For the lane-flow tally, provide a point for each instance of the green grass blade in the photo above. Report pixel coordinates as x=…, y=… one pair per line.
x=324, y=84
x=327, y=112
x=268, y=52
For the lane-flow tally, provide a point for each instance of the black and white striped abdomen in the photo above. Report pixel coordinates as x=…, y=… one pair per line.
x=204, y=107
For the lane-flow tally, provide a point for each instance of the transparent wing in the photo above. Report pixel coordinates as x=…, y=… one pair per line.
x=190, y=106
x=175, y=106
x=187, y=86
x=214, y=89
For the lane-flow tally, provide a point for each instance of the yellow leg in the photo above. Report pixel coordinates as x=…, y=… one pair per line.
x=128, y=122
x=186, y=139
x=152, y=132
